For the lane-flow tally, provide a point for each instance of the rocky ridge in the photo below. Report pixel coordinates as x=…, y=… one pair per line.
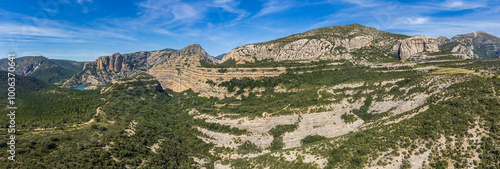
x=323, y=43
x=49, y=70
x=475, y=45
x=138, y=81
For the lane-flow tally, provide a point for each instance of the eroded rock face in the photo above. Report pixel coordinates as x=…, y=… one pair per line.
x=466, y=51
x=416, y=44
x=113, y=62
x=301, y=49
x=442, y=40
x=328, y=124
x=298, y=50
x=185, y=72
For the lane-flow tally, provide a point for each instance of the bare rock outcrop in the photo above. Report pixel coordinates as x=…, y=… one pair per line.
x=416, y=44
x=113, y=62
x=301, y=49
x=442, y=40
x=466, y=51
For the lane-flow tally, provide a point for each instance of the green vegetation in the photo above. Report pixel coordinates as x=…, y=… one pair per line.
x=60, y=107
x=312, y=139
x=220, y=128
x=159, y=121
x=277, y=133
x=455, y=118
x=138, y=77
x=248, y=147
x=23, y=86
x=442, y=52
x=348, y=118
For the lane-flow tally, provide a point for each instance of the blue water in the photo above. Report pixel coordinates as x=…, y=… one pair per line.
x=79, y=87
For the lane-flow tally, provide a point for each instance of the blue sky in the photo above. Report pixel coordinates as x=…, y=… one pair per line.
x=86, y=29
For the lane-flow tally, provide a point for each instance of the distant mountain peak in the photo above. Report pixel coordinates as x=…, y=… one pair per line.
x=477, y=34
x=193, y=49
x=194, y=45
x=479, y=44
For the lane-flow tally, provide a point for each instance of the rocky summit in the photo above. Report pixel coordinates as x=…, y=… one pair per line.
x=476, y=45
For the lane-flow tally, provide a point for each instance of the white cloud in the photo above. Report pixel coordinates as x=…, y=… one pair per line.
x=419, y=20
x=462, y=5
x=364, y=3
x=26, y=30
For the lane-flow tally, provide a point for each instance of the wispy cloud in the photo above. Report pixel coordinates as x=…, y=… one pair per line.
x=364, y=3
x=82, y=1
x=418, y=20
x=85, y=9
x=35, y=28
x=170, y=11
x=461, y=5
x=230, y=6
x=275, y=6
x=26, y=30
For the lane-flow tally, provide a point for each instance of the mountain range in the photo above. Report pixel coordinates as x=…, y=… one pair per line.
x=354, y=42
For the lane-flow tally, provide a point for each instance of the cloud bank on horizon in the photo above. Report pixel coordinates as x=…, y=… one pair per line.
x=85, y=29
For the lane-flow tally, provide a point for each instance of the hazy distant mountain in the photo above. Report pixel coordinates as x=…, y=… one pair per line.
x=219, y=57
x=478, y=45
x=49, y=70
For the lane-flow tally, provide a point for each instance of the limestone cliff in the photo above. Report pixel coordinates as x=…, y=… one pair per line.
x=416, y=44
x=322, y=43
x=107, y=68
x=113, y=62
x=187, y=72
